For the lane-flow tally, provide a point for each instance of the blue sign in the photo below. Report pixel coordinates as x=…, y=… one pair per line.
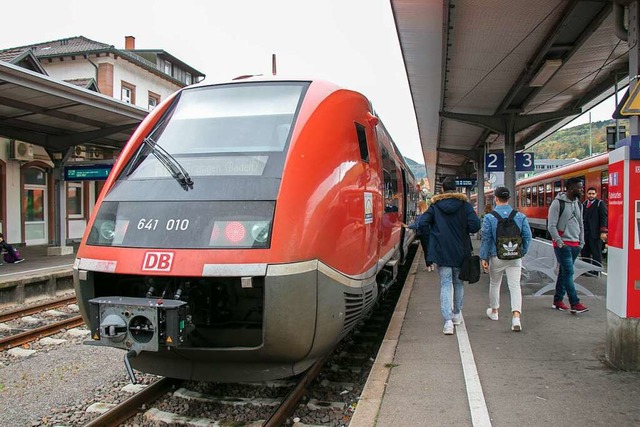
x=466, y=182
x=524, y=162
x=87, y=172
x=494, y=162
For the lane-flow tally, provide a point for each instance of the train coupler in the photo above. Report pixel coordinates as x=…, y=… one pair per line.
x=138, y=324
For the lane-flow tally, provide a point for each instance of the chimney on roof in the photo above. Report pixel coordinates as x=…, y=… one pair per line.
x=129, y=42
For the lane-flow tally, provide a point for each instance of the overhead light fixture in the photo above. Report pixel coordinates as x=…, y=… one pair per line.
x=548, y=69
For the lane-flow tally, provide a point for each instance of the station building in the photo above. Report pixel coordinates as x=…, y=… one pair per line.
x=139, y=77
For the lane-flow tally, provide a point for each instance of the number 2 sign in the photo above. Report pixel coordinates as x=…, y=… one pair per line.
x=494, y=162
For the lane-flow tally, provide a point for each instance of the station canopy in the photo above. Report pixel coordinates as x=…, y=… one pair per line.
x=548, y=59
x=56, y=115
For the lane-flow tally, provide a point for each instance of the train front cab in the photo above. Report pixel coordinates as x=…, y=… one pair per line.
x=257, y=312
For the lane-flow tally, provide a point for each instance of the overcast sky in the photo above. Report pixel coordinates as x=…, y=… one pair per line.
x=350, y=42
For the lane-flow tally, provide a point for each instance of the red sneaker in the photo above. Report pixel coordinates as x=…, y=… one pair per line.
x=559, y=305
x=578, y=308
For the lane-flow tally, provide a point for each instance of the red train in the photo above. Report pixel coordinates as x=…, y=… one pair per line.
x=244, y=230
x=535, y=194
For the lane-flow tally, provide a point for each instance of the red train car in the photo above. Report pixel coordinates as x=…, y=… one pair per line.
x=244, y=230
x=535, y=194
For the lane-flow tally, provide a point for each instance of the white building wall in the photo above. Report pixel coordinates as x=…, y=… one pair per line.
x=70, y=69
x=12, y=230
x=143, y=81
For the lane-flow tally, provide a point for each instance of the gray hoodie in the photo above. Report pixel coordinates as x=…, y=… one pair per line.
x=570, y=223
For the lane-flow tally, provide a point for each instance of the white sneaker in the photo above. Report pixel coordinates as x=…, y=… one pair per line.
x=457, y=319
x=516, y=326
x=448, y=328
x=491, y=315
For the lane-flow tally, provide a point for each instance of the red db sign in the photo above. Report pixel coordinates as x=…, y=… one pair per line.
x=157, y=261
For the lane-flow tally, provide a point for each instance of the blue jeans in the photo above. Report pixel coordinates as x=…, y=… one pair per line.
x=566, y=256
x=451, y=291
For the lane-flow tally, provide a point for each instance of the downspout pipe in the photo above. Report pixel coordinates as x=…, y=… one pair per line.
x=618, y=22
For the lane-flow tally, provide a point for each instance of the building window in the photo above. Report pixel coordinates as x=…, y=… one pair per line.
x=154, y=100
x=75, y=205
x=128, y=93
x=167, y=68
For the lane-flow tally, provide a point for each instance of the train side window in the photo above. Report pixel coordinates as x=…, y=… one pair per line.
x=549, y=194
x=534, y=196
x=604, y=186
x=517, y=198
x=557, y=187
x=528, y=197
x=362, y=142
x=584, y=183
x=523, y=199
x=541, y=198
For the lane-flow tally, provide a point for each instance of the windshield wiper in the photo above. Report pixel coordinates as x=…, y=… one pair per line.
x=176, y=170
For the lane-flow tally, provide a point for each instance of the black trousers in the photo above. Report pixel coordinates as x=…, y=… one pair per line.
x=593, y=249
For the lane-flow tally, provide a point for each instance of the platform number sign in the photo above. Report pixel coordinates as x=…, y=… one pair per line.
x=494, y=162
x=524, y=162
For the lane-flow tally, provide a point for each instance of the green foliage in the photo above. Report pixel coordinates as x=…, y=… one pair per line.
x=574, y=142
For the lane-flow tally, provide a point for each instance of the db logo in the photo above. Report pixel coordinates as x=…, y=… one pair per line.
x=157, y=261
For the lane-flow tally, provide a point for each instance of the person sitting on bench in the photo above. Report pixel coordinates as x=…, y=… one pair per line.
x=10, y=251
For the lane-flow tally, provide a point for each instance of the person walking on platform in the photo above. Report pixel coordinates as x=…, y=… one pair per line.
x=451, y=218
x=595, y=229
x=506, y=236
x=566, y=228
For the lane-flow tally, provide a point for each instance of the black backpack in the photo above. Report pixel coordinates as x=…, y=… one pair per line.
x=508, y=237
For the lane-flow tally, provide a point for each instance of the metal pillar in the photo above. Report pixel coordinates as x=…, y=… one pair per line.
x=509, y=157
x=634, y=63
x=480, y=179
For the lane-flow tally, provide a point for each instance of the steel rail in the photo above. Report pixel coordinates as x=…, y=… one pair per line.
x=127, y=409
x=291, y=400
x=42, y=331
x=19, y=312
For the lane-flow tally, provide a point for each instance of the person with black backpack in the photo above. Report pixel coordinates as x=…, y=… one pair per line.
x=506, y=236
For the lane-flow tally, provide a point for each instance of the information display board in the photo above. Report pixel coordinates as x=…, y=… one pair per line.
x=87, y=172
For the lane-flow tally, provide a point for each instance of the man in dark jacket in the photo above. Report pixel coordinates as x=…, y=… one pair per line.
x=594, y=217
x=447, y=217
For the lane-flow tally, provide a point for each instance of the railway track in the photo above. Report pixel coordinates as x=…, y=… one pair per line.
x=149, y=396
x=26, y=311
x=325, y=395
x=32, y=334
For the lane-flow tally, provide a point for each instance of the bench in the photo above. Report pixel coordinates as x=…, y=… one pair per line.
x=540, y=261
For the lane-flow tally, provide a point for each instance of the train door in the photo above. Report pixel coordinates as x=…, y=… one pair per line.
x=369, y=185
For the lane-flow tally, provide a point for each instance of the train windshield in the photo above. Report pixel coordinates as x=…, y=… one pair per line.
x=230, y=130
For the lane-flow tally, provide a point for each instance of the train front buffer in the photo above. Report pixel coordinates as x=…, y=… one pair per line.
x=138, y=324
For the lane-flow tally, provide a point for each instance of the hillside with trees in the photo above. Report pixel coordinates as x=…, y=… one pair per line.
x=418, y=169
x=569, y=143
x=574, y=142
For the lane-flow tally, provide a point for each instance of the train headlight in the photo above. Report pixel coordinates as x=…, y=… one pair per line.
x=260, y=232
x=108, y=230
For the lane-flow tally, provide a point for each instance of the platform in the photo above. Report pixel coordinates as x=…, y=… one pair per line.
x=551, y=373
x=39, y=276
